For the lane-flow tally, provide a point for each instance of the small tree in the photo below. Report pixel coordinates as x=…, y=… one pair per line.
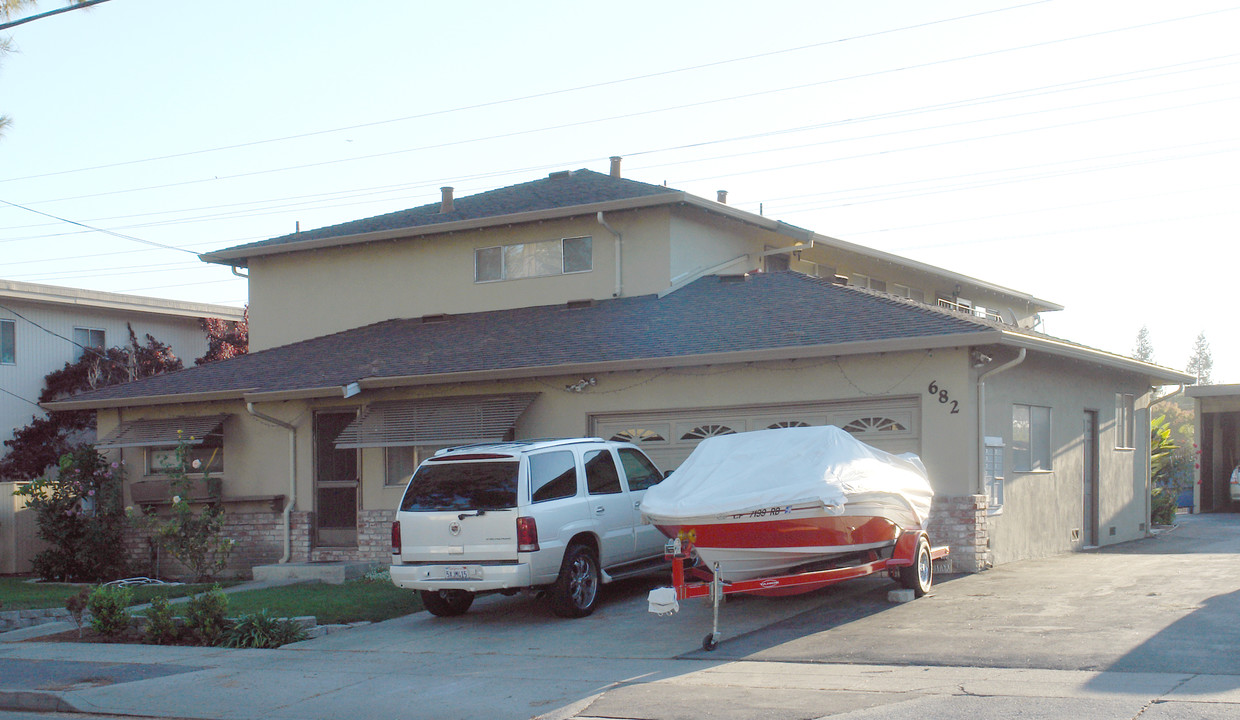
x=1200, y=363
x=225, y=338
x=1144, y=349
x=193, y=537
x=80, y=514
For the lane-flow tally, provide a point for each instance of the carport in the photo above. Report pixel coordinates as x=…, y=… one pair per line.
x=1218, y=437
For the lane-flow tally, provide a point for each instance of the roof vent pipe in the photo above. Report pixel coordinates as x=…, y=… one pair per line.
x=445, y=205
x=721, y=196
x=615, y=166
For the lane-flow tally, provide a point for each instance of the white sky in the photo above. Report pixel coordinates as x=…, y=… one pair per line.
x=1082, y=151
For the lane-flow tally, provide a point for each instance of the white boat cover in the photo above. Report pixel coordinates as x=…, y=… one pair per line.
x=743, y=472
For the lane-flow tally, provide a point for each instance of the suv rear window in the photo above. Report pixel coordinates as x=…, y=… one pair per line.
x=463, y=486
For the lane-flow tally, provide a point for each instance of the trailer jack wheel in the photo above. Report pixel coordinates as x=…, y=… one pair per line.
x=710, y=642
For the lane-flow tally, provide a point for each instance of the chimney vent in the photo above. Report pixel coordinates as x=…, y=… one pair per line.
x=445, y=205
x=615, y=166
x=722, y=196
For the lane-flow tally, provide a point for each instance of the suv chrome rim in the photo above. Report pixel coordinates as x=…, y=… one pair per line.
x=583, y=582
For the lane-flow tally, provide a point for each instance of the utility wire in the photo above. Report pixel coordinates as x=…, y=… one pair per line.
x=96, y=229
x=19, y=397
x=640, y=113
x=31, y=18
x=549, y=93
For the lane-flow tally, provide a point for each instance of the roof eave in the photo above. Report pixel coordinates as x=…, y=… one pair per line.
x=803, y=352
x=1168, y=376
x=142, y=401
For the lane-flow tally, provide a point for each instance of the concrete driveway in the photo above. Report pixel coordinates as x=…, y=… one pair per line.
x=1145, y=629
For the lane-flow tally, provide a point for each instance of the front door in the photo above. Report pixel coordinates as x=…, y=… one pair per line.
x=1089, y=482
x=335, y=483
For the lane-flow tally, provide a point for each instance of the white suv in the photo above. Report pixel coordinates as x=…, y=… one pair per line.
x=554, y=515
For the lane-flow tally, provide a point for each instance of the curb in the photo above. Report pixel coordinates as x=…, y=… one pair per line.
x=34, y=701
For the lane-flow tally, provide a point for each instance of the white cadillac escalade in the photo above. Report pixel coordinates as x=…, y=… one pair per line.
x=554, y=515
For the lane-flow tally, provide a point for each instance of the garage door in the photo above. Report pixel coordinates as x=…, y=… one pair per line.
x=892, y=424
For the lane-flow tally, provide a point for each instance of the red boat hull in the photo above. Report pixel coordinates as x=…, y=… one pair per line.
x=748, y=547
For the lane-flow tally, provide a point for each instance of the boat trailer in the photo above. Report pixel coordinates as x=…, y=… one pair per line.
x=911, y=564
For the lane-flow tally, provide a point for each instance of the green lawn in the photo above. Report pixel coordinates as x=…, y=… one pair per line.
x=355, y=601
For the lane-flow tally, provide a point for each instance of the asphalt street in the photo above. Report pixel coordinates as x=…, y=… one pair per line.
x=1146, y=629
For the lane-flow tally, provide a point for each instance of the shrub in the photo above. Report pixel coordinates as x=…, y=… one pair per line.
x=262, y=630
x=1163, y=506
x=194, y=538
x=109, y=609
x=161, y=626
x=206, y=616
x=80, y=515
x=76, y=605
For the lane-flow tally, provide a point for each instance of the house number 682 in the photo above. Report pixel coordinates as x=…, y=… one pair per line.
x=944, y=398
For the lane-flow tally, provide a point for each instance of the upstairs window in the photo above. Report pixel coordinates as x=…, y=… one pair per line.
x=908, y=292
x=8, y=342
x=536, y=259
x=84, y=338
x=1031, y=438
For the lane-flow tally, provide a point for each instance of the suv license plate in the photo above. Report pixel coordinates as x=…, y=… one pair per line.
x=462, y=572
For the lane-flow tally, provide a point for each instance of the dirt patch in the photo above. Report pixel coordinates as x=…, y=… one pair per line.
x=132, y=636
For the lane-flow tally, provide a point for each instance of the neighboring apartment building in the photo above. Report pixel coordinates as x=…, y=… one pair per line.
x=586, y=303
x=43, y=327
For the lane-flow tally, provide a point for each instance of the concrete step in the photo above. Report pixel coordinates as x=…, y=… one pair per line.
x=329, y=572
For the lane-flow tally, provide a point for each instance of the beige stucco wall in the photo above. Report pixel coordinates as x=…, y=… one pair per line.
x=1042, y=509
x=313, y=293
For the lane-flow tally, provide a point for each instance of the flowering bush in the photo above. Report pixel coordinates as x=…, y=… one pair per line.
x=80, y=514
x=193, y=537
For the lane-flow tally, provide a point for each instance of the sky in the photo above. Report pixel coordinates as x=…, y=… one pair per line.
x=1081, y=151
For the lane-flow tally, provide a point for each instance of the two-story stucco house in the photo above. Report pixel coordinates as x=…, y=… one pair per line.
x=585, y=303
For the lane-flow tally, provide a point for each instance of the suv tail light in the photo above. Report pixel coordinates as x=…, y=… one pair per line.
x=396, y=538
x=527, y=535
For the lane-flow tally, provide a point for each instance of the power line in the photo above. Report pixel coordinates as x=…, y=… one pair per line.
x=31, y=18
x=96, y=229
x=19, y=397
x=641, y=113
x=533, y=96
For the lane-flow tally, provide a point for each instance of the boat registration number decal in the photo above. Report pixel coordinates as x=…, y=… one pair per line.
x=765, y=512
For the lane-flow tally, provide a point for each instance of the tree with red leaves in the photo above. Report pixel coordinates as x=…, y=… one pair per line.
x=40, y=444
x=225, y=338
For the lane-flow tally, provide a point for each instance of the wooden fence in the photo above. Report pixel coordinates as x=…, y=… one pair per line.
x=19, y=542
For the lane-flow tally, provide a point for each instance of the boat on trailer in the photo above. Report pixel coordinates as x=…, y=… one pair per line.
x=768, y=502
x=786, y=511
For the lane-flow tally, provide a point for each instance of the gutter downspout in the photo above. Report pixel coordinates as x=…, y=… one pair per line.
x=1169, y=395
x=292, y=475
x=619, y=255
x=238, y=273
x=981, y=416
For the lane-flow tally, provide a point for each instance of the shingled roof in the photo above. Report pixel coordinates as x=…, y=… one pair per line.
x=715, y=319
x=563, y=189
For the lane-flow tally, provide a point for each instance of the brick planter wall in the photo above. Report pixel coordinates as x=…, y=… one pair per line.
x=258, y=540
x=961, y=523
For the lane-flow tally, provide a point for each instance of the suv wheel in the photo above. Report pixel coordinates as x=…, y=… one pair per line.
x=446, y=603
x=575, y=592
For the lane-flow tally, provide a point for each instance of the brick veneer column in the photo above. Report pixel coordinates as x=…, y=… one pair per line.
x=961, y=523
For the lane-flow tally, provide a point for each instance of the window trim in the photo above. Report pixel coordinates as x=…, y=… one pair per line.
x=1125, y=421
x=503, y=263
x=12, y=335
x=1034, y=458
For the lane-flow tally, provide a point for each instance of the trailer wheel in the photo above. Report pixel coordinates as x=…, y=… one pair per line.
x=920, y=575
x=710, y=642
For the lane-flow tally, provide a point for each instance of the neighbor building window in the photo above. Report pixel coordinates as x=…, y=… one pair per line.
x=84, y=338
x=8, y=342
x=536, y=259
x=1125, y=424
x=1031, y=438
x=908, y=292
x=207, y=456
